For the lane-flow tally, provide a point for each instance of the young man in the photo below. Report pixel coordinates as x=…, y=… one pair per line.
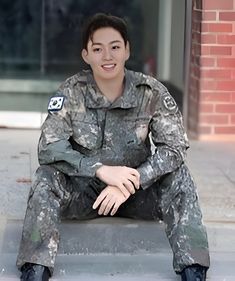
x=96, y=160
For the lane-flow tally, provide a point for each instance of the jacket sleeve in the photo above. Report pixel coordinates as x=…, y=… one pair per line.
x=169, y=140
x=55, y=148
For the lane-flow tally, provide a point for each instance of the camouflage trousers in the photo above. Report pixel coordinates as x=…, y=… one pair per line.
x=55, y=196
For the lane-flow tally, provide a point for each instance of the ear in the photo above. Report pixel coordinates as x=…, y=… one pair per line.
x=85, y=55
x=127, y=50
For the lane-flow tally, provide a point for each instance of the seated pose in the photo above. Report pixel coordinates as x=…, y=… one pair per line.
x=113, y=144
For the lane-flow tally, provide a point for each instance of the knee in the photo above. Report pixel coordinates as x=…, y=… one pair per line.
x=49, y=175
x=48, y=182
x=45, y=171
x=185, y=180
x=179, y=181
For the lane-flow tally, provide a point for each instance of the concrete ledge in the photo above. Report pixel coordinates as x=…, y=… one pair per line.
x=98, y=236
x=28, y=86
x=118, y=249
x=22, y=120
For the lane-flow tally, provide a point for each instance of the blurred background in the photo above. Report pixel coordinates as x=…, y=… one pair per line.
x=40, y=45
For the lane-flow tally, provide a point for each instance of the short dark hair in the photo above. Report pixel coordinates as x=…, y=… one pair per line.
x=101, y=20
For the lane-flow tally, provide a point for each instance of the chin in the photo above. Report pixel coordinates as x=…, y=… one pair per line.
x=111, y=75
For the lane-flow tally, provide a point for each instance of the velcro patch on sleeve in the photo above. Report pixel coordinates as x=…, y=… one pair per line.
x=169, y=103
x=56, y=103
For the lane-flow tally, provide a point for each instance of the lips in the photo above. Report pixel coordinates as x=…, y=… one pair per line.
x=108, y=66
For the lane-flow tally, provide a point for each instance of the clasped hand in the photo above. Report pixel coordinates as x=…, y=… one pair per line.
x=121, y=183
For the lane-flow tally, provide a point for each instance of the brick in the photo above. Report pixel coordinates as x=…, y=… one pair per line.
x=204, y=27
x=206, y=84
x=214, y=119
x=208, y=16
x=220, y=27
x=225, y=85
x=226, y=62
x=194, y=82
x=215, y=97
x=221, y=50
x=197, y=15
x=193, y=113
x=196, y=71
x=196, y=60
x=216, y=73
x=207, y=61
x=225, y=108
x=196, y=37
x=217, y=4
x=233, y=73
x=227, y=16
x=198, y=4
x=233, y=97
x=208, y=39
x=196, y=49
x=225, y=130
x=232, y=119
x=206, y=108
x=196, y=26
x=204, y=130
x=205, y=50
x=225, y=39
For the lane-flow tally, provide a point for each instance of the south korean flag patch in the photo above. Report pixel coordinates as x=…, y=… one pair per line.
x=56, y=103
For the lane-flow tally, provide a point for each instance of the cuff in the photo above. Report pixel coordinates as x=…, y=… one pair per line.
x=88, y=166
x=147, y=175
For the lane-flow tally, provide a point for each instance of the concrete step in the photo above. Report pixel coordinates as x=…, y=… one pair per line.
x=107, y=267
x=117, y=249
x=105, y=248
x=102, y=236
x=121, y=267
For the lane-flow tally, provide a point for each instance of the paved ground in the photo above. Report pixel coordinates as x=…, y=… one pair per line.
x=95, y=250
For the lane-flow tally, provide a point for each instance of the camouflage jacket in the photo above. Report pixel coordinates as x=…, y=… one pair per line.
x=84, y=130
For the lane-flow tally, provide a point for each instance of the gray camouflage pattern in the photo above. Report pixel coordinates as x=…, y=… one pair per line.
x=89, y=131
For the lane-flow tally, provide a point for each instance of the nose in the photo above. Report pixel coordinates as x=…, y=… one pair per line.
x=107, y=54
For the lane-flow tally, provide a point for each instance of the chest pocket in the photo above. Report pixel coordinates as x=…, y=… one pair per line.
x=138, y=126
x=86, y=131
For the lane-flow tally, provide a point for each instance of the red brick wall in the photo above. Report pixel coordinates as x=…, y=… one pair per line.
x=211, y=100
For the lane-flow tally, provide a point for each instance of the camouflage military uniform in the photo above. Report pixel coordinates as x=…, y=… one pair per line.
x=84, y=130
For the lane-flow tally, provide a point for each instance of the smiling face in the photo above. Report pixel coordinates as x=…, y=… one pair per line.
x=106, y=54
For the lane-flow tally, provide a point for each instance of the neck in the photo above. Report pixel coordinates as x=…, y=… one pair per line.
x=111, y=89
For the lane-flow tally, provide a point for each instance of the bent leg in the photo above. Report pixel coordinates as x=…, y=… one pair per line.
x=40, y=236
x=144, y=205
x=183, y=220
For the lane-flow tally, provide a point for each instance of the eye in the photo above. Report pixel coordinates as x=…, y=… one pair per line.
x=115, y=47
x=97, y=50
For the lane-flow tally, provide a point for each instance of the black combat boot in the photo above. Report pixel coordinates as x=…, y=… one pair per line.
x=194, y=273
x=34, y=272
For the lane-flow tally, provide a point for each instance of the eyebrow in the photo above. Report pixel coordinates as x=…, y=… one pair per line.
x=112, y=42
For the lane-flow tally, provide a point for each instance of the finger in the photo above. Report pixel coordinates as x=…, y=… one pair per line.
x=135, y=173
x=99, y=199
x=134, y=181
x=109, y=206
x=129, y=186
x=123, y=189
x=115, y=208
x=103, y=205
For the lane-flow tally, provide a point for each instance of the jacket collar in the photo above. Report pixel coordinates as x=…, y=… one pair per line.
x=95, y=99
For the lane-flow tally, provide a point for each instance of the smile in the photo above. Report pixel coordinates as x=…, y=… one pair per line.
x=108, y=66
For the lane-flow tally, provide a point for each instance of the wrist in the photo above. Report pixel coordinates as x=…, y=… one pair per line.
x=97, y=167
x=99, y=170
